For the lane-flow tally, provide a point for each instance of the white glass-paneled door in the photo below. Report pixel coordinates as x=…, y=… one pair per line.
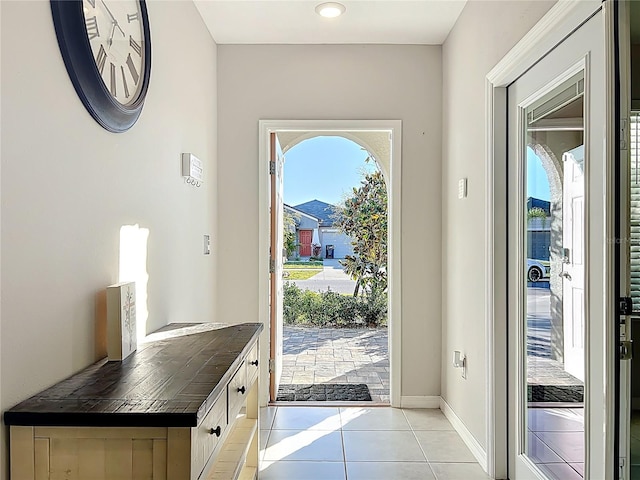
x=557, y=253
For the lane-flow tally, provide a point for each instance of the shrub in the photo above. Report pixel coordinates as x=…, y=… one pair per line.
x=305, y=262
x=330, y=309
x=373, y=309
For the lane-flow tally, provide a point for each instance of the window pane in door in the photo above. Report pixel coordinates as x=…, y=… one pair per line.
x=554, y=318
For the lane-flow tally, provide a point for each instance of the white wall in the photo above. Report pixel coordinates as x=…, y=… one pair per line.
x=336, y=82
x=341, y=243
x=483, y=34
x=68, y=186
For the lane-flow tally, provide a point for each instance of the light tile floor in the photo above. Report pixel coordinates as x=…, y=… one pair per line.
x=556, y=441
x=362, y=443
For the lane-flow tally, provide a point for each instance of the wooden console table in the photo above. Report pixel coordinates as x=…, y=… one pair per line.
x=183, y=406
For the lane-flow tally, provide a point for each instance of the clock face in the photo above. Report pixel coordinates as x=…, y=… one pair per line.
x=106, y=49
x=116, y=36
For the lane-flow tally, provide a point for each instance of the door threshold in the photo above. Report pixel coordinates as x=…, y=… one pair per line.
x=555, y=405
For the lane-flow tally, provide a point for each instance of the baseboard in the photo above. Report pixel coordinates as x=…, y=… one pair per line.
x=420, y=402
x=477, y=450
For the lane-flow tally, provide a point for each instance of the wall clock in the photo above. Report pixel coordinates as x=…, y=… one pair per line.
x=106, y=47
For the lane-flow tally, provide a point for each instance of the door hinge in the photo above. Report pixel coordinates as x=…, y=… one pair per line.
x=621, y=466
x=626, y=350
x=272, y=265
x=624, y=122
x=625, y=306
x=272, y=168
x=272, y=365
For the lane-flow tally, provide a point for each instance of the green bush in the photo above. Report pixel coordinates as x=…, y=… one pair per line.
x=305, y=263
x=330, y=309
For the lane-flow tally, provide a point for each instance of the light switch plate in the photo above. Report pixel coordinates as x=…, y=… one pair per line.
x=462, y=188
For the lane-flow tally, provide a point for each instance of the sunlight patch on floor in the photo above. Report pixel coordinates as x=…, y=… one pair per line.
x=286, y=447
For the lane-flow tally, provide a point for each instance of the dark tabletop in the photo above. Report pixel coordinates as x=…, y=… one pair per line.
x=172, y=380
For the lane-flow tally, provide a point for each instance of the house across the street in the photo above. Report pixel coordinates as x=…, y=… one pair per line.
x=316, y=234
x=539, y=230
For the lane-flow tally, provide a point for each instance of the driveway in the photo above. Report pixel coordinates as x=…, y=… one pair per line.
x=332, y=277
x=542, y=369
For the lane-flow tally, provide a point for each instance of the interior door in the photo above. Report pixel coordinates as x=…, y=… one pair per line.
x=276, y=284
x=573, y=261
x=555, y=417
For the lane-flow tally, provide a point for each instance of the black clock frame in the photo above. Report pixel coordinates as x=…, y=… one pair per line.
x=69, y=23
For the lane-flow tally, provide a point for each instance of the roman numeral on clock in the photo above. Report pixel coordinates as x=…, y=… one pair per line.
x=132, y=69
x=91, y=25
x=113, y=82
x=101, y=59
x=92, y=3
x=124, y=82
x=135, y=45
x=132, y=16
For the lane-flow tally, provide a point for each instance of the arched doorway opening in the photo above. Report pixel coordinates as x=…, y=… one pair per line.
x=377, y=137
x=335, y=338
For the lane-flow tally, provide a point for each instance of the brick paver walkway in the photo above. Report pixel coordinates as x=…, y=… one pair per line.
x=314, y=355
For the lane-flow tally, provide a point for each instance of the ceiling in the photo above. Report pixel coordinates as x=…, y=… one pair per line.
x=425, y=22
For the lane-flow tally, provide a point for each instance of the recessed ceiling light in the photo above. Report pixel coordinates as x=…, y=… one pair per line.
x=330, y=9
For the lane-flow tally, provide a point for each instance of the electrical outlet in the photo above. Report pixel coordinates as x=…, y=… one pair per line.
x=460, y=361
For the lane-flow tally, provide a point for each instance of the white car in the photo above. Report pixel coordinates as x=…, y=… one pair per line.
x=537, y=269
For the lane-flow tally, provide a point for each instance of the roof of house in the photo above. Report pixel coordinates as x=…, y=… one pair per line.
x=320, y=210
x=299, y=212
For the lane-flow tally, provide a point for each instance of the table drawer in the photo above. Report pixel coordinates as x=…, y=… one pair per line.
x=252, y=365
x=206, y=436
x=238, y=389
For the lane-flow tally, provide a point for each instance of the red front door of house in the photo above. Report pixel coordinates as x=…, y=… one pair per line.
x=305, y=242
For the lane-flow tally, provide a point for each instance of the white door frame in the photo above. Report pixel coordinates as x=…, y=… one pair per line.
x=557, y=23
x=394, y=190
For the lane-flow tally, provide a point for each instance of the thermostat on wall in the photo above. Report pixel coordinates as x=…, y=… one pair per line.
x=192, y=167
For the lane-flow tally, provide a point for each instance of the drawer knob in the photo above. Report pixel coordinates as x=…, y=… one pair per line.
x=215, y=431
x=255, y=362
x=242, y=390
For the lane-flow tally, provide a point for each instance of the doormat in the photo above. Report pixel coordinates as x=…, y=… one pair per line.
x=555, y=393
x=325, y=392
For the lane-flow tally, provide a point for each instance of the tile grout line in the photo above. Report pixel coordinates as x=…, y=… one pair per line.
x=266, y=441
x=419, y=445
x=564, y=460
x=344, y=452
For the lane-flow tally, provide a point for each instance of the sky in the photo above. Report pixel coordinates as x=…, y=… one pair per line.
x=323, y=168
x=537, y=182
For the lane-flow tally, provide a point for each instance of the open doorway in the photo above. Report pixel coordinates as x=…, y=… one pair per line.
x=335, y=341
x=376, y=138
